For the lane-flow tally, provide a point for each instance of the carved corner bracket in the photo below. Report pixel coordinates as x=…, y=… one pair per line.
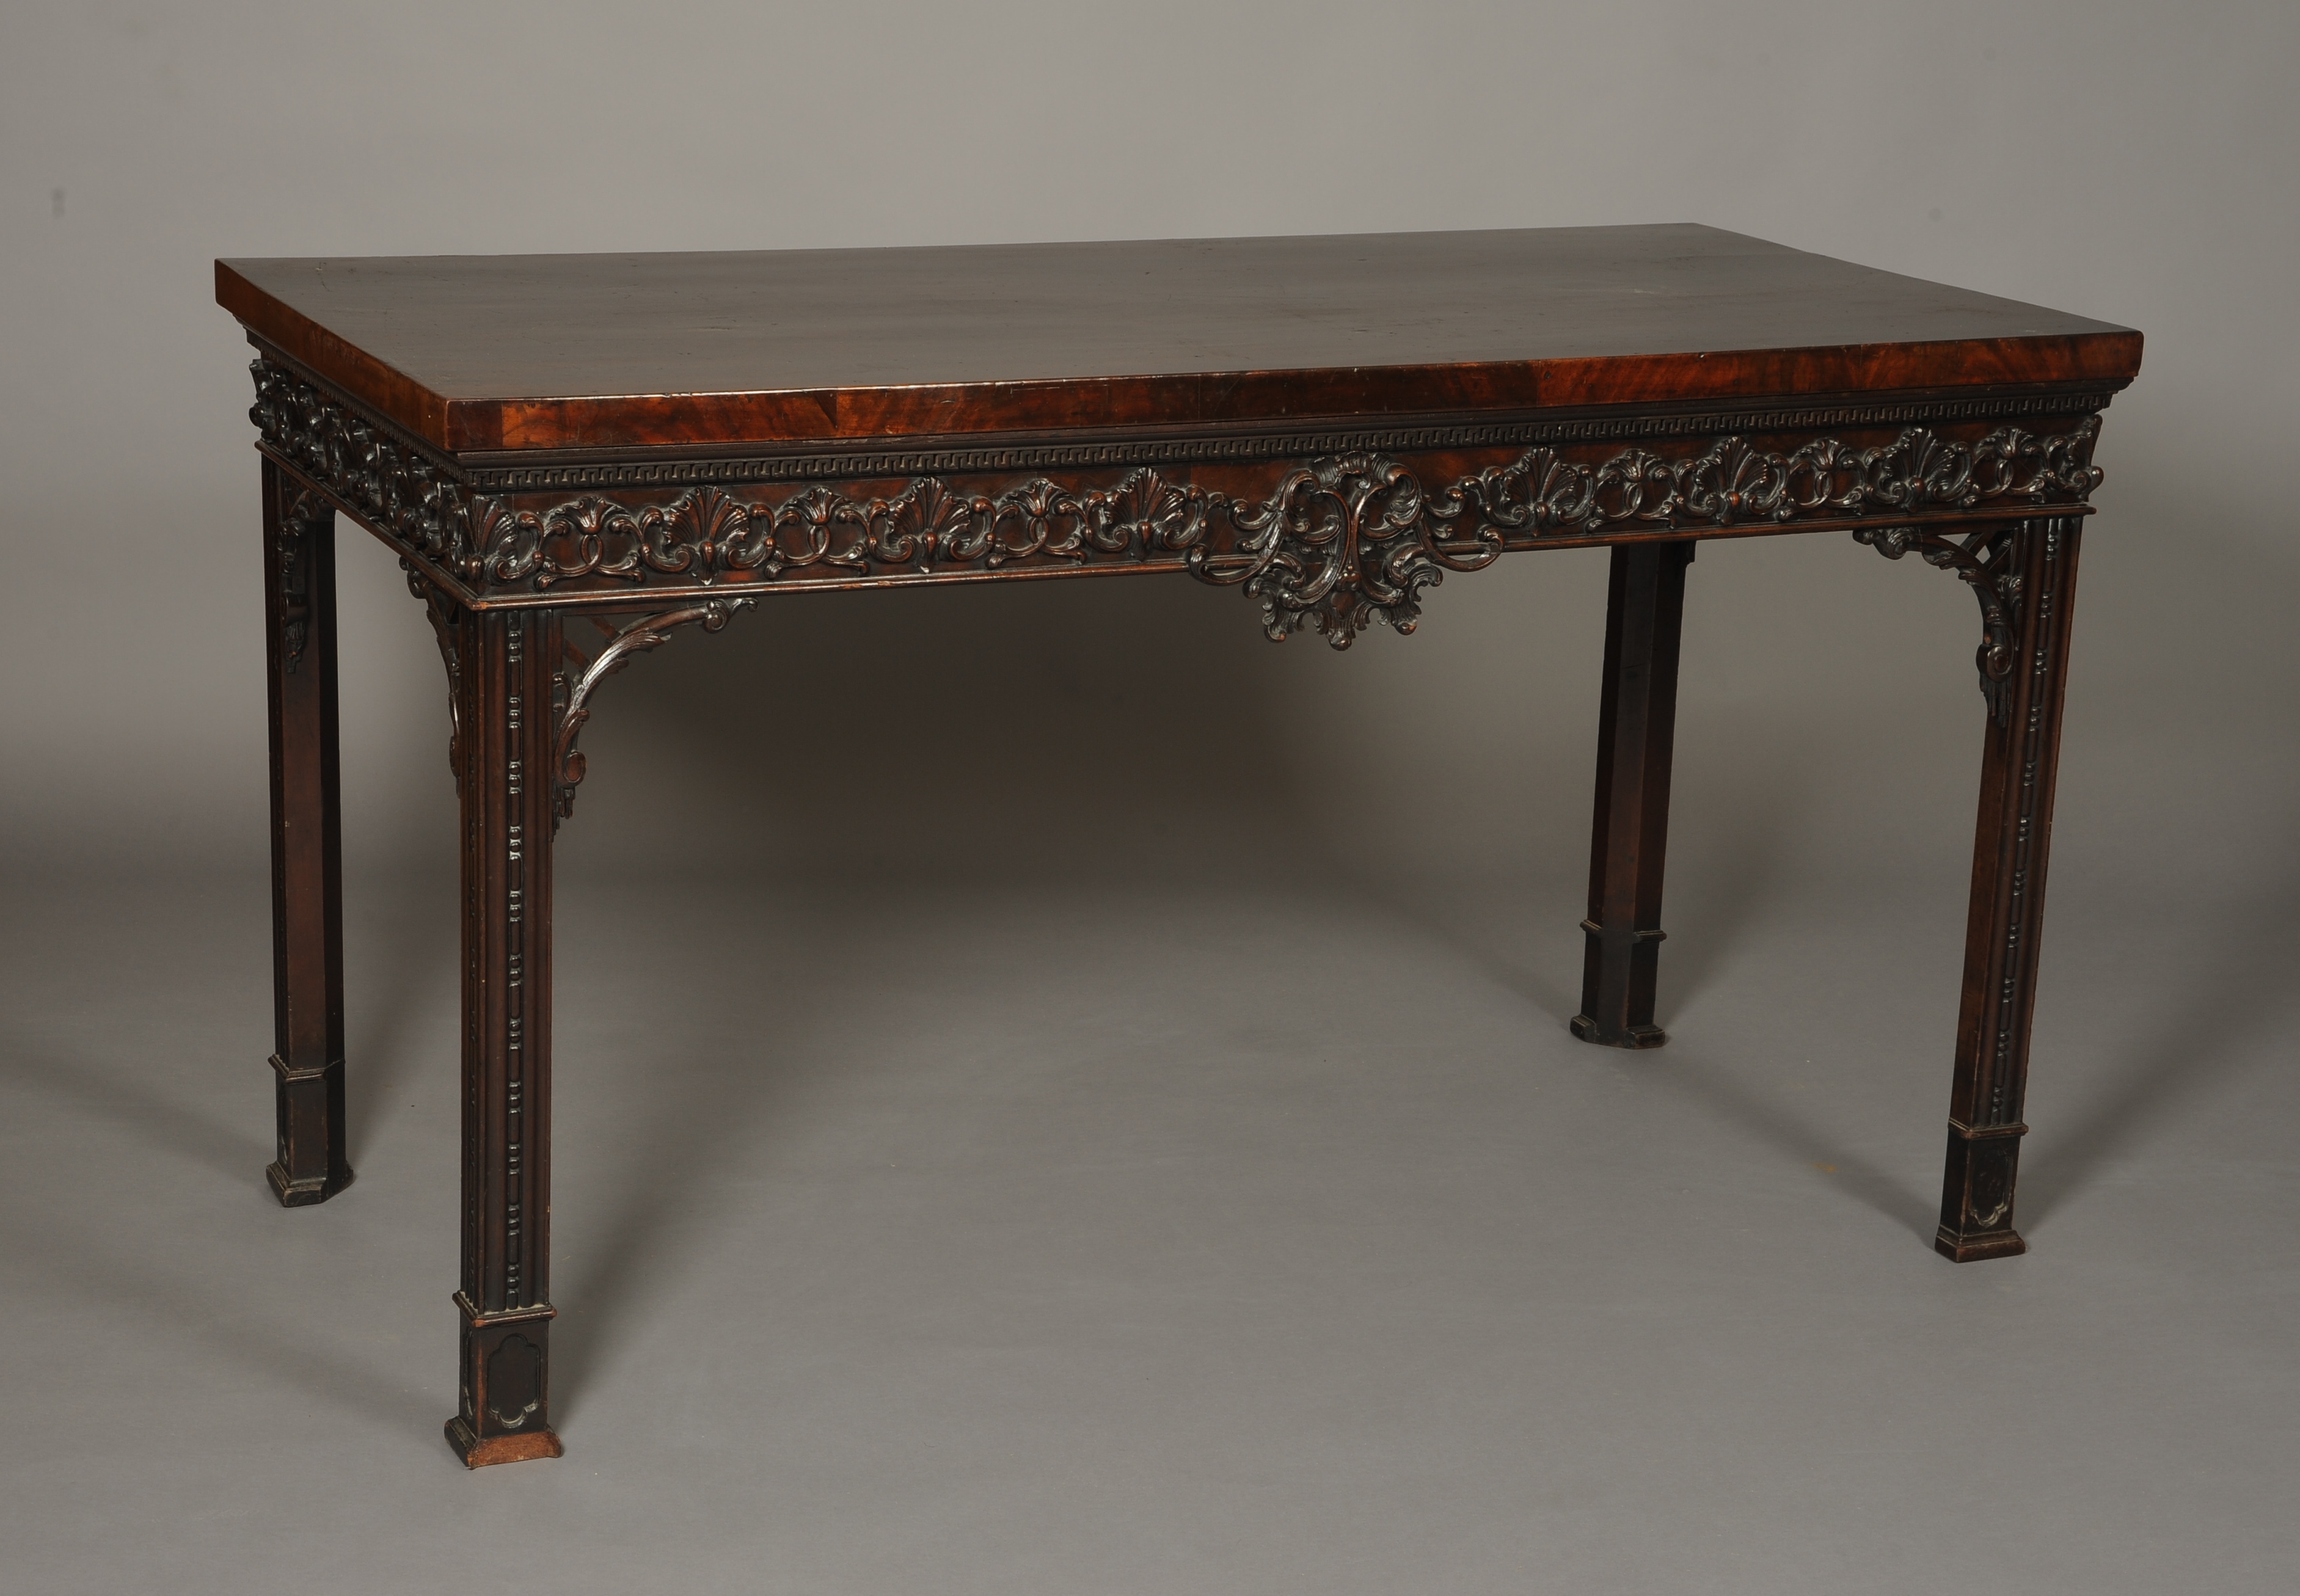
x=441, y=610
x=572, y=687
x=1988, y=561
x=304, y=514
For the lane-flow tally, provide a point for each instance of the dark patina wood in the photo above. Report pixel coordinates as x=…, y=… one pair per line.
x=579, y=458
x=1628, y=838
x=503, y=664
x=2011, y=843
x=307, y=867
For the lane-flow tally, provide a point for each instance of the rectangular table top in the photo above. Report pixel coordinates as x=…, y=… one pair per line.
x=477, y=354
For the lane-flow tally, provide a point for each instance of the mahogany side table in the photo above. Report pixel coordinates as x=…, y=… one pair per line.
x=577, y=457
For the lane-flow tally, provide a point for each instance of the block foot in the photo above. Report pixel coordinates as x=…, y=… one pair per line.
x=1973, y=1249
x=477, y=1453
x=1636, y=1036
x=302, y=1193
x=1976, y=1219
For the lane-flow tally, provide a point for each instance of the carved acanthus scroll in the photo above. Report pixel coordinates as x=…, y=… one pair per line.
x=384, y=479
x=571, y=688
x=1348, y=537
x=304, y=514
x=1342, y=544
x=571, y=685
x=1341, y=541
x=1986, y=562
x=440, y=611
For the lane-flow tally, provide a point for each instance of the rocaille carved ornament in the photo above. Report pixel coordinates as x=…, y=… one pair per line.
x=300, y=510
x=1985, y=560
x=1343, y=541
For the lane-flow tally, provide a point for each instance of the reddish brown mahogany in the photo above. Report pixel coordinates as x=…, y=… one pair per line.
x=569, y=352
x=1333, y=426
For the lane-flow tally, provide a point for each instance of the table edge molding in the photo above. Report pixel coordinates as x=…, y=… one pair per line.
x=821, y=459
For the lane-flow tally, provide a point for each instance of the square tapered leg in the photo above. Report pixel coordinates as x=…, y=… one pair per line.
x=307, y=876
x=1645, y=612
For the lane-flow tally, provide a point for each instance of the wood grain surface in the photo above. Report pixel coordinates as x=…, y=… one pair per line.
x=486, y=352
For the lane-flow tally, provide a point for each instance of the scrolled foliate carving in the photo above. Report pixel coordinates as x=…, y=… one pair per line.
x=1343, y=539
x=1343, y=543
x=573, y=686
x=705, y=534
x=1732, y=483
x=1986, y=562
x=441, y=611
x=387, y=481
x=301, y=514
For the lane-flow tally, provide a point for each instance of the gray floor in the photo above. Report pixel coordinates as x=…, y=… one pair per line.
x=1159, y=1232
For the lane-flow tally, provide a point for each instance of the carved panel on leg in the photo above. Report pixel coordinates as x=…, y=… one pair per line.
x=1630, y=835
x=503, y=667
x=503, y=1406
x=299, y=569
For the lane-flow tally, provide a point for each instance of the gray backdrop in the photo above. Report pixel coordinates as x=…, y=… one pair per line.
x=1147, y=1154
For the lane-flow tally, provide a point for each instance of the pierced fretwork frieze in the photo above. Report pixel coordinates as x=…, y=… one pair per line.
x=1332, y=541
x=384, y=479
x=1340, y=542
x=705, y=535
